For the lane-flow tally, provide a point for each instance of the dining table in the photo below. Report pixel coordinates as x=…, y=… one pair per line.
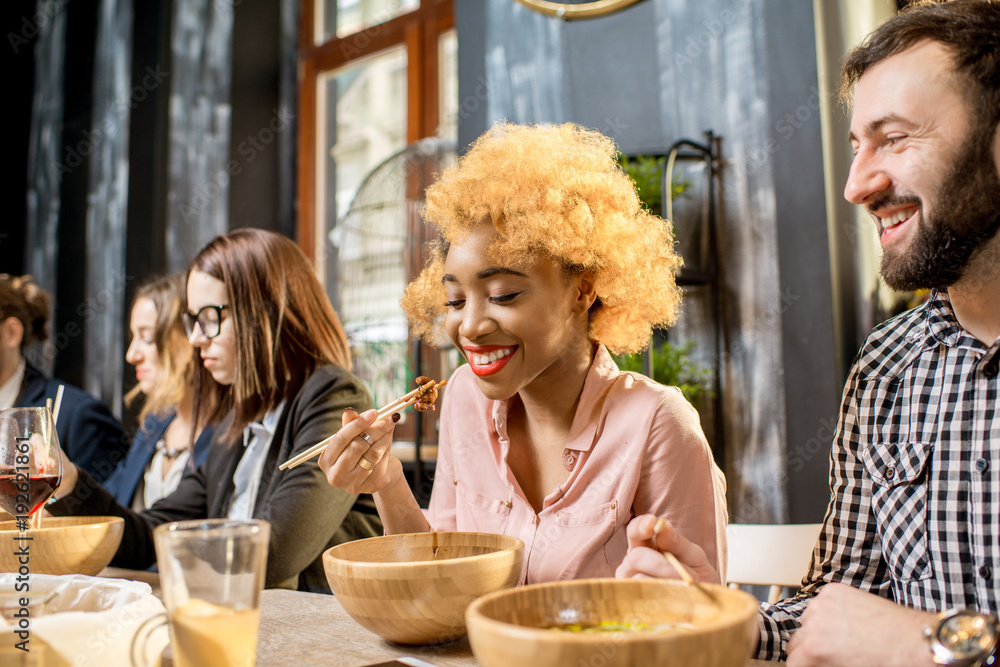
x=299, y=628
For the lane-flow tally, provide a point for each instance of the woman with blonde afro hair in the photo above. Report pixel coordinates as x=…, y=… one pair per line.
x=547, y=261
x=569, y=199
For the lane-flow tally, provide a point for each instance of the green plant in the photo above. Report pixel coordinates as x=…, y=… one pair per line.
x=672, y=365
x=646, y=171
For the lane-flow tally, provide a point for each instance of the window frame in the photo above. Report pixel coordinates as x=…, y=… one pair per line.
x=419, y=31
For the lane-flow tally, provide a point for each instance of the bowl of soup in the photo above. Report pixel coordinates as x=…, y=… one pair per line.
x=414, y=588
x=63, y=545
x=612, y=622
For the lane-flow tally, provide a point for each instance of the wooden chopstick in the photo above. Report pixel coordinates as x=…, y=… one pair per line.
x=395, y=406
x=398, y=404
x=676, y=564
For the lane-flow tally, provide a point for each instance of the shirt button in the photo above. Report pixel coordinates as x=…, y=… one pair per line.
x=990, y=370
x=985, y=572
x=507, y=503
x=890, y=472
x=982, y=465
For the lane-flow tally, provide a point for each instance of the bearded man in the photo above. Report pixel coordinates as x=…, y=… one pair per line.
x=906, y=570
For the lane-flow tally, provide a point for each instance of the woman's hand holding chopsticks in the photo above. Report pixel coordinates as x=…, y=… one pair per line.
x=357, y=458
x=423, y=397
x=649, y=538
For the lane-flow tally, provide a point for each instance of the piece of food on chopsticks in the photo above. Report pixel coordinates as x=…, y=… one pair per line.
x=428, y=394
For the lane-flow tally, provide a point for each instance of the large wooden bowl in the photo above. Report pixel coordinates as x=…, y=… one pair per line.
x=515, y=628
x=63, y=545
x=414, y=588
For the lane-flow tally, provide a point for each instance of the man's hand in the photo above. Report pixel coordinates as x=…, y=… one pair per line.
x=843, y=626
x=646, y=547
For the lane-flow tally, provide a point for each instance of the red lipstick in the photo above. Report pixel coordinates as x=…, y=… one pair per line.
x=492, y=367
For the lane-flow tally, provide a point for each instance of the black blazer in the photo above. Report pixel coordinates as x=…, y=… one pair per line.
x=89, y=434
x=307, y=515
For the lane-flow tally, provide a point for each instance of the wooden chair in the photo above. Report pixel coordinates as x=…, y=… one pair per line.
x=775, y=555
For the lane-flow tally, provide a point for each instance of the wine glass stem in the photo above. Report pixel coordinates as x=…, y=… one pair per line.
x=35, y=520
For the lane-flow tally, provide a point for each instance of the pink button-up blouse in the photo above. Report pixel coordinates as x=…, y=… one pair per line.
x=635, y=447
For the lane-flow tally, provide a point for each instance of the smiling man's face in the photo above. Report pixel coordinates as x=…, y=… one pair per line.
x=926, y=174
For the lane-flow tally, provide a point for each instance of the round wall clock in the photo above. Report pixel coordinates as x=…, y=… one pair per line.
x=577, y=10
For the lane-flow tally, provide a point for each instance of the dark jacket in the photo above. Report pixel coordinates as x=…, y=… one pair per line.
x=307, y=515
x=89, y=434
x=125, y=479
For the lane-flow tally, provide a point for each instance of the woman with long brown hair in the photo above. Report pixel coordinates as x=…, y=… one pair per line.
x=265, y=330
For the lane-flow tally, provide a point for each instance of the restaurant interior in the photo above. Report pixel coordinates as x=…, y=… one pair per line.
x=142, y=130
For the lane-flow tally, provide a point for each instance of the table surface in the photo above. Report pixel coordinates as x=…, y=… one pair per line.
x=308, y=628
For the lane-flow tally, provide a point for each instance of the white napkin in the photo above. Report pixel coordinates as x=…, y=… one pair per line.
x=92, y=621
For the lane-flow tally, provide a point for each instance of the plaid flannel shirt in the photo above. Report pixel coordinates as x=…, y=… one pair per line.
x=914, y=514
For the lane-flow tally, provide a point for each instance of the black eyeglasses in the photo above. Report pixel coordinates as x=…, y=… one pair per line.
x=208, y=318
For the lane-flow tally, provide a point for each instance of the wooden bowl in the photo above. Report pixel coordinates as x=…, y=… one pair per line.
x=64, y=545
x=516, y=627
x=414, y=588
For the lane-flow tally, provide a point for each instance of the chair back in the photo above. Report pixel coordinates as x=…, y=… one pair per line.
x=775, y=555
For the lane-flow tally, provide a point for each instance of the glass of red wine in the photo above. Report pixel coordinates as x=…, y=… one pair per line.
x=30, y=461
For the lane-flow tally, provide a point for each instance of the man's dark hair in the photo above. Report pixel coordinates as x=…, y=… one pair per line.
x=970, y=29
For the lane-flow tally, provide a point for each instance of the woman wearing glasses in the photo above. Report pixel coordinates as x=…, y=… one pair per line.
x=173, y=437
x=266, y=332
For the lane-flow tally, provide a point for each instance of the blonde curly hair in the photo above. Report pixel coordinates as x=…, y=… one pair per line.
x=556, y=190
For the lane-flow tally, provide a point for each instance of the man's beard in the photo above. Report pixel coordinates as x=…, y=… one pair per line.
x=966, y=217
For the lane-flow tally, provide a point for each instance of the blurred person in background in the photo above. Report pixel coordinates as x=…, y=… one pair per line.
x=172, y=438
x=88, y=433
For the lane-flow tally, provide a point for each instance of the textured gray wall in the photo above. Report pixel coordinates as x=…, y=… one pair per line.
x=45, y=151
x=200, y=120
x=134, y=154
x=107, y=197
x=662, y=70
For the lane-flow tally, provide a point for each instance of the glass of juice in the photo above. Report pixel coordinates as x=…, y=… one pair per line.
x=212, y=575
